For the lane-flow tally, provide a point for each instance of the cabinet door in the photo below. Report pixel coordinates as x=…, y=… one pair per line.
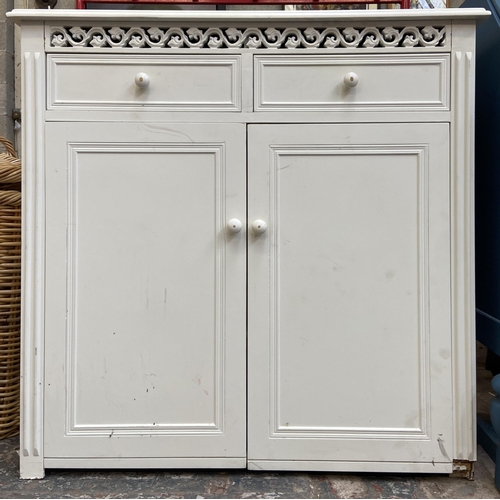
x=349, y=297
x=145, y=313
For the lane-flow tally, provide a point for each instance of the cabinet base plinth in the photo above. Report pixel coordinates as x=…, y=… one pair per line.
x=145, y=463
x=312, y=465
x=31, y=469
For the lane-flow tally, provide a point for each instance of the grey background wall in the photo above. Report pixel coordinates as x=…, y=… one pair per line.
x=7, y=88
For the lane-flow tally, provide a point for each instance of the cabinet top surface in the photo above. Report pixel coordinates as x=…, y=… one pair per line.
x=292, y=17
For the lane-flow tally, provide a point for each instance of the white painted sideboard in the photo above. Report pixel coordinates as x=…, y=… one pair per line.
x=332, y=329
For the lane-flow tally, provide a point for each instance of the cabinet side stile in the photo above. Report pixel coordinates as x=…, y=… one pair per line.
x=462, y=244
x=33, y=259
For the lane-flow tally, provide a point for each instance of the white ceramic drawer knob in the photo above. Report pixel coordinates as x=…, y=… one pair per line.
x=234, y=226
x=142, y=80
x=259, y=226
x=351, y=79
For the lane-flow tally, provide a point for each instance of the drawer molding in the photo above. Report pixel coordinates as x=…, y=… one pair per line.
x=386, y=83
x=61, y=37
x=178, y=82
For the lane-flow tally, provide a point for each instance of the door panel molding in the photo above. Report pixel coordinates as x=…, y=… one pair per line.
x=344, y=204
x=146, y=191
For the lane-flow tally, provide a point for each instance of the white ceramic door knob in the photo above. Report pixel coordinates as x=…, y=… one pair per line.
x=351, y=79
x=234, y=226
x=142, y=80
x=259, y=226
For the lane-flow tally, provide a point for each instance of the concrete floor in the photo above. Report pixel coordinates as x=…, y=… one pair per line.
x=245, y=484
x=237, y=484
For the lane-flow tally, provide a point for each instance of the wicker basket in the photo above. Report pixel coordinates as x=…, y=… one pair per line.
x=10, y=289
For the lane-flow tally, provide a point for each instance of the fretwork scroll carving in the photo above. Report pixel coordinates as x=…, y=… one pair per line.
x=250, y=38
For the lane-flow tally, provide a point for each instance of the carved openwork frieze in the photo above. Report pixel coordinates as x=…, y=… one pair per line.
x=250, y=38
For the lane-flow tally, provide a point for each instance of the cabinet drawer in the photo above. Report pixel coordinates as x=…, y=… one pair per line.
x=177, y=83
x=384, y=83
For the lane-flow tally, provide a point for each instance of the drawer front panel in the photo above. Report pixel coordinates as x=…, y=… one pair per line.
x=385, y=83
x=177, y=83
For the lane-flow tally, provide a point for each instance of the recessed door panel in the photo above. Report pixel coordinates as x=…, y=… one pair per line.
x=146, y=354
x=344, y=347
